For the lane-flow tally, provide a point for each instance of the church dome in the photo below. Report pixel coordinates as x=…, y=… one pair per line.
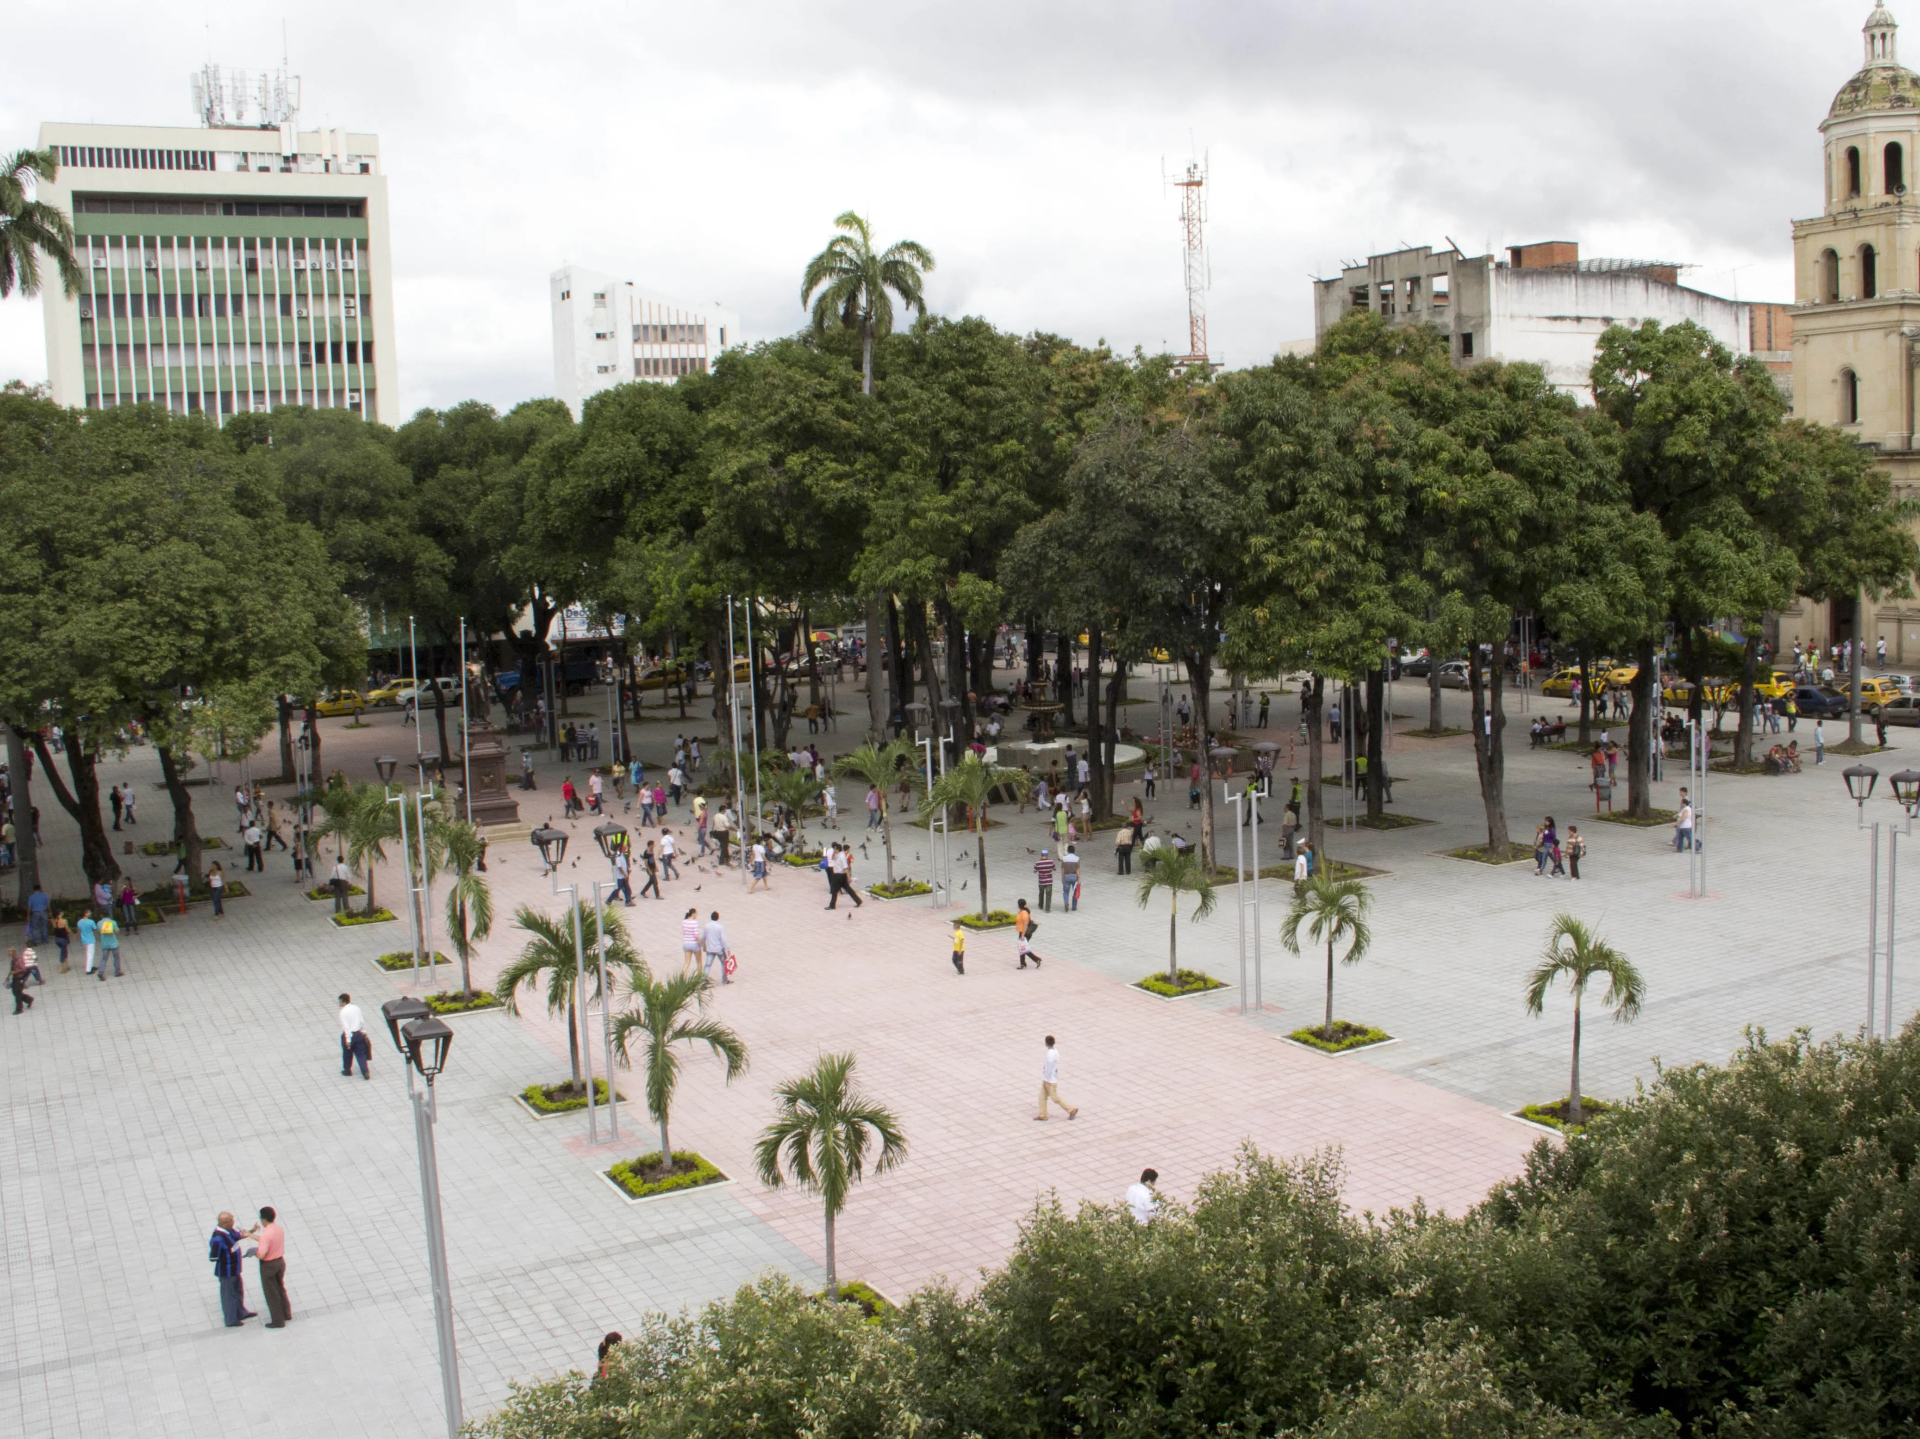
x=1880, y=84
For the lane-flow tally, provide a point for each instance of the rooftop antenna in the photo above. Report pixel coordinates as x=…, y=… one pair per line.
x=1199, y=277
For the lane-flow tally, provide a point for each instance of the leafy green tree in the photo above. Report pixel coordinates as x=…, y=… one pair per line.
x=31, y=229
x=879, y=765
x=974, y=784
x=1578, y=955
x=852, y=285
x=820, y=1137
x=460, y=846
x=667, y=1016
x=1177, y=873
x=550, y=957
x=1330, y=911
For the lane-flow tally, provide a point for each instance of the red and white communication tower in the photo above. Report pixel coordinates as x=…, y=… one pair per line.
x=1193, y=218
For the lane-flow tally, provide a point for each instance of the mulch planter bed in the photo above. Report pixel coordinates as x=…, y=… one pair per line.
x=1654, y=820
x=1390, y=821
x=996, y=919
x=875, y=1305
x=154, y=847
x=196, y=894
x=904, y=889
x=400, y=959
x=453, y=1002
x=1444, y=732
x=1481, y=854
x=349, y=921
x=1554, y=1115
x=802, y=859
x=1347, y=1036
x=548, y=1100
x=1191, y=982
x=326, y=892
x=645, y=1177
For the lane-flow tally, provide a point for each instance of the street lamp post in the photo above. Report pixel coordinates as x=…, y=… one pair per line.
x=612, y=839
x=423, y=1042
x=552, y=844
x=1906, y=793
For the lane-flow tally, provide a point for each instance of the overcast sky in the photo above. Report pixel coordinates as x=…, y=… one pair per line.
x=703, y=149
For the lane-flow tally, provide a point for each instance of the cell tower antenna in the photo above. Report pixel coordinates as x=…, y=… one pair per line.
x=1193, y=218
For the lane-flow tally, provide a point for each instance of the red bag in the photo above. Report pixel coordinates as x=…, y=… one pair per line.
x=732, y=964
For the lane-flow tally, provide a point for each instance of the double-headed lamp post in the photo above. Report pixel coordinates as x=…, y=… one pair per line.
x=1906, y=793
x=612, y=839
x=423, y=1042
x=552, y=844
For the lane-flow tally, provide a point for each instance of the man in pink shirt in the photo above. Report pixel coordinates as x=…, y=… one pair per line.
x=271, y=1241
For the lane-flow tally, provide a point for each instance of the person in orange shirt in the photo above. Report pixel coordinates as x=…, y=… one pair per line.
x=271, y=1246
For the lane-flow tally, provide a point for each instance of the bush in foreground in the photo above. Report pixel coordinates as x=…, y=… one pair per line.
x=1725, y=1255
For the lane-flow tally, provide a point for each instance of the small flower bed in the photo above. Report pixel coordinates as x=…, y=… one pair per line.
x=801, y=858
x=353, y=917
x=563, y=1098
x=1480, y=854
x=166, y=846
x=403, y=959
x=196, y=893
x=899, y=889
x=1190, y=981
x=875, y=1305
x=461, y=1002
x=1654, y=819
x=646, y=1176
x=996, y=919
x=1345, y=1036
x=325, y=891
x=1555, y=1115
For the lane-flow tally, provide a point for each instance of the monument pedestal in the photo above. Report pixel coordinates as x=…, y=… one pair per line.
x=492, y=803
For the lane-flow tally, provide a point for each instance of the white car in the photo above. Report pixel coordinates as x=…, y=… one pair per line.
x=447, y=684
x=1453, y=675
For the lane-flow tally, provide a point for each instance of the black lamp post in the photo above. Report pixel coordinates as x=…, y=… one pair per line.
x=401, y=1011
x=1860, y=778
x=386, y=764
x=611, y=837
x=425, y=1041
x=552, y=844
x=1906, y=793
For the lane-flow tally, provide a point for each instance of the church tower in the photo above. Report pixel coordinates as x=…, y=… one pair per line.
x=1856, y=326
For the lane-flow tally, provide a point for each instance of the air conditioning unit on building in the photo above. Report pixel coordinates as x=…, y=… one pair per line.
x=99, y=262
x=152, y=263
x=353, y=397
x=346, y=264
x=299, y=264
x=199, y=264
x=329, y=262
x=300, y=312
x=86, y=312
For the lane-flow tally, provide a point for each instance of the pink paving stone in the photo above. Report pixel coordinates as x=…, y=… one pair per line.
x=1176, y=1085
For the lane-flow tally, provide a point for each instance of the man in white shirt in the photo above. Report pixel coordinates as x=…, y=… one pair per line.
x=1050, y=1083
x=1683, y=824
x=251, y=837
x=354, y=1043
x=342, y=881
x=1140, y=1197
x=668, y=849
x=1301, y=862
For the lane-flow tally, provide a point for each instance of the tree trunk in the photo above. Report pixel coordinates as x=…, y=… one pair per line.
x=957, y=678
x=1200, y=678
x=1376, y=745
x=918, y=628
x=833, y=1277
x=1329, y=1029
x=1743, y=732
x=1586, y=698
x=1640, y=736
x=26, y=855
x=979, y=849
x=1063, y=677
x=1435, y=714
x=1315, y=816
x=899, y=670
x=1096, y=731
x=1173, y=940
x=82, y=804
x=876, y=693
x=288, y=775
x=1116, y=691
x=1574, y=1111
x=1033, y=641
x=666, y=1146
x=439, y=708
x=886, y=832
x=463, y=946
x=1854, y=666
x=185, y=831
x=722, y=662
x=1489, y=725
x=573, y=1023
x=813, y=656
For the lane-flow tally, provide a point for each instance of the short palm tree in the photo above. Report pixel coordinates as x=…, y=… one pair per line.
x=550, y=957
x=1575, y=951
x=879, y=765
x=821, y=1135
x=361, y=823
x=470, y=900
x=662, y=1021
x=1331, y=910
x=30, y=229
x=1177, y=874
x=848, y=282
x=972, y=783
x=795, y=789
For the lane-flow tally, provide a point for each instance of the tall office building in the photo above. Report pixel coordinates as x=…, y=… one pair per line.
x=239, y=265
x=607, y=332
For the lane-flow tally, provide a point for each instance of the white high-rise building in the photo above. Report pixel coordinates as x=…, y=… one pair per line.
x=607, y=332
x=234, y=266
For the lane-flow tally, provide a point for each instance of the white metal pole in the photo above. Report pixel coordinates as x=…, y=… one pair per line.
x=419, y=755
x=733, y=717
x=1239, y=885
x=423, y=1117
x=426, y=881
x=466, y=728
x=586, y=1037
x=1893, y=885
x=1257, y=1008
x=413, y=924
x=606, y=996
x=1873, y=924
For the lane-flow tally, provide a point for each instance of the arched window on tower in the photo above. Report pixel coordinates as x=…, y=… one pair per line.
x=1849, y=398
x=1869, y=276
x=1895, y=162
x=1829, y=279
x=1853, y=173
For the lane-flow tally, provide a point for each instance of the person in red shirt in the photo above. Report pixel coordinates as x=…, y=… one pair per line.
x=271, y=1244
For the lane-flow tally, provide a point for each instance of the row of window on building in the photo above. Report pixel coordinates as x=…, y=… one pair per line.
x=1407, y=292
x=222, y=252
x=228, y=402
x=113, y=157
x=123, y=306
x=670, y=335
x=1827, y=279
x=269, y=209
x=222, y=354
x=662, y=366
x=1893, y=170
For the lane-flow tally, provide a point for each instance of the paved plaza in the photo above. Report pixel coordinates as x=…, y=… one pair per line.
x=208, y=1079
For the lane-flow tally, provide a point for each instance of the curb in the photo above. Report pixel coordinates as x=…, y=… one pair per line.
x=626, y=1198
x=1136, y=987
x=558, y=1113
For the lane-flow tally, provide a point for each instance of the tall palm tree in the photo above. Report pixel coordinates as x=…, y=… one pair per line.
x=361, y=823
x=32, y=228
x=662, y=1021
x=1177, y=874
x=470, y=900
x=821, y=1134
x=972, y=783
x=879, y=765
x=1575, y=951
x=1331, y=911
x=549, y=955
x=848, y=283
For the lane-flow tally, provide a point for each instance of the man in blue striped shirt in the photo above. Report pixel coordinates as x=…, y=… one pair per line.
x=224, y=1250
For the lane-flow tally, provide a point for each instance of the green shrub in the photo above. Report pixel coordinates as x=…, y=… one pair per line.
x=196, y=893
x=1346, y=1035
x=871, y=1301
x=1190, y=981
x=325, y=891
x=352, y=917
x=561, y=1098
x=899, y=889
x=456, y=1002
x=690, y=1172
x=403, y=959
x=996, y=919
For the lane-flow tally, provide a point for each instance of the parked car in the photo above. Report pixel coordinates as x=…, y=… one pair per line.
x=1818, y=702
x=1417, y=665
x=1874, y=689
x=1453, y=675
x=341, y=702
x=1559, y=684
x=387, y=694
x=1903, y=709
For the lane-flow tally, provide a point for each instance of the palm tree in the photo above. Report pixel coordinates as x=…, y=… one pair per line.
x=662, y=1018
x=550, y=952
x=852, y=282
x=796, y=789
x=1332, y=910
x=972, y=783
x=879, y=765
x=1177, y=873
x=1576, y=952
x=30, y=228
x=470, y=900
x=361, y=822
x=822, y=1132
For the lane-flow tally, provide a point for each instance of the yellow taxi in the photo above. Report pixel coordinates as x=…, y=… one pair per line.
x=1776, y=686
x=1874, y=690
x=388, y=694
x=1680, y=692
x=342, y=702
x=1559, y=685
x=1620, y=677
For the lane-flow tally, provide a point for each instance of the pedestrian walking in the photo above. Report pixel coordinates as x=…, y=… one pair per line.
x=569, y=798
x=129, y=906
x=1043, y=877
x=1070, y=879
x=1050, y=1083
x=250, y=841
x=668, y=849
x=270, y=1247
x=959, y=948
x=1140, y=1196
x=342, y=882
x=89, y=935
x=243, y=803
x=1123, y=839
x=1819, y=741
x=109, y=947
x=722, y=828
x=689, y=941
x=622, y=877
x=273, y=829
x=846, y=877
x=223, y=1249
x=1148, y=778
x=759, y=853
x=217, y=887
x=114, y=798
x=873, y=806
x=714, y=940
x=354, y=1043
x=1683, y=824
x=651, y=862
x=676, y=781
x=126, y=805
x=37, y=906
x=18, y=969
x=62, y=937
x=1024, y=928
x=1576, y=847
